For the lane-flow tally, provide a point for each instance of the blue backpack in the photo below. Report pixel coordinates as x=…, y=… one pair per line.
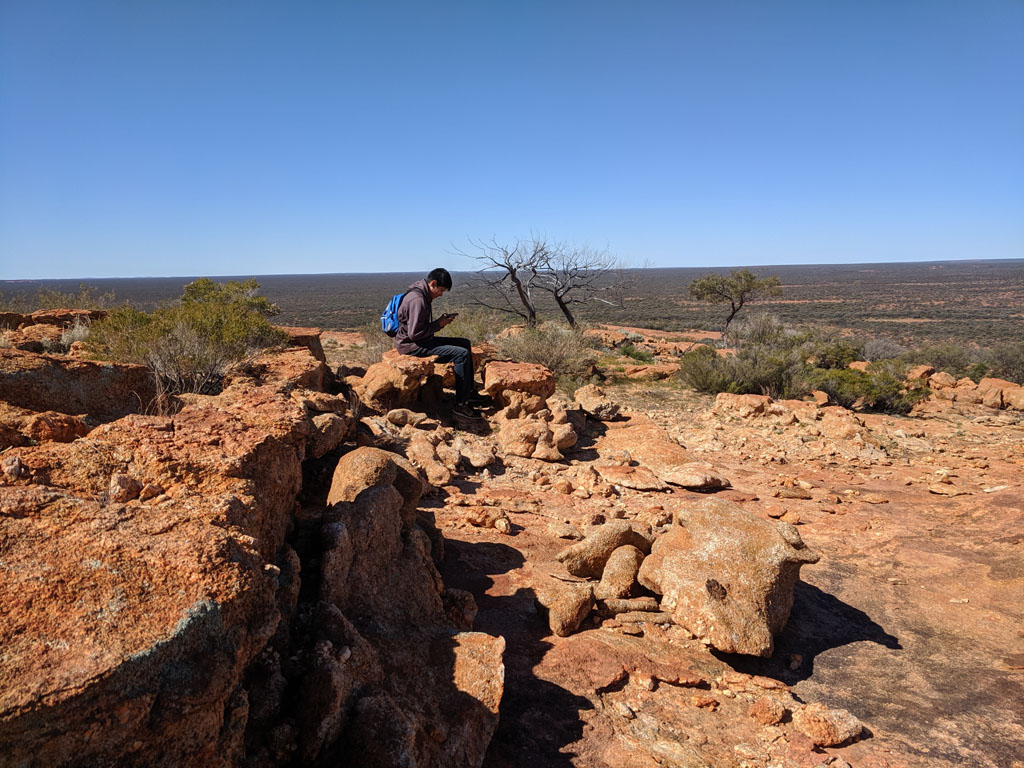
x=389, y=320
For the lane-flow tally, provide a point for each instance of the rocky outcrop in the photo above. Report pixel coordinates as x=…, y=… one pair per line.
x=594, y=401
x=168, y=603
x=104, y=391
x=567, y=606
x=524, y=387
x=727, y=576
x=651, y=372
x=396, y=381
x=696, y=476
x=20, y=426
x=587, y=558
x=826, y=727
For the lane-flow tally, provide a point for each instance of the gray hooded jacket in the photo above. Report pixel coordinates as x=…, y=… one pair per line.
x=416, y=323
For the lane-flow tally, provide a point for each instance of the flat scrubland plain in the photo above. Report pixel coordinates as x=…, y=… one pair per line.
x=961, y=301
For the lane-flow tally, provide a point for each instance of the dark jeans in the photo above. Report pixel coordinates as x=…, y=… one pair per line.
x=452, y=350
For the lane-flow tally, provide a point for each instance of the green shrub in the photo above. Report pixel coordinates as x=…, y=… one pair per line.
x=882, y=387
x=1007, y=361
x=833, y=352
x=565, y=351
x=703, y=370
x=763, y=369
x=762, y=329
x=191, y=345
x=882, y=349
x=954, y=359
x=640, y=355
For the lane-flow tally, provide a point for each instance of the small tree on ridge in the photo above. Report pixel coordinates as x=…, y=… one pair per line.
x=737, y=289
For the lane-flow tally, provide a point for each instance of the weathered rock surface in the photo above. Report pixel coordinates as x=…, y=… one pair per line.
x=645, y=443
x=394, y=382
x=727, y=576
x=619, y=576
x=105, y=391
x=826, y=727
x=594, y=401
x=531, y=436
x=366, y=467
x=696, y=476
x=587, y=558
x=741, y=406
x=567, y=606
x=525, y=386
x=157, y=613
x=888, y=602
x=637, y=478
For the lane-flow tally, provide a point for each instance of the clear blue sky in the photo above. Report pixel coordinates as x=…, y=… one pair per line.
x=244, y=137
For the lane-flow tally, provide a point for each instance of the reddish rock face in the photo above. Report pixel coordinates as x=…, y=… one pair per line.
x=654, y=372
x=919, y=374
x=594, y=401
x=306, y=337
x=105, y=391
x=637, y=478
x=395, y=381
x=365, y=467
x=55, y=427
x=20, y=426
x=502, y=379
x=646, y=443
x=152, y=597
x=742, y=406
x=941, y=380
x=63, y=318
x=727, y=576
x=35, y=338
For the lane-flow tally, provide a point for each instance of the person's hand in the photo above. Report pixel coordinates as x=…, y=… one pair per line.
x=445, y=320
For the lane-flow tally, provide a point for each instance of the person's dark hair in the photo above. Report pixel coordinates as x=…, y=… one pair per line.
x=442, y=277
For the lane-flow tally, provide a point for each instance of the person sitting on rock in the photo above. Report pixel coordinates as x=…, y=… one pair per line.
x=416, y=329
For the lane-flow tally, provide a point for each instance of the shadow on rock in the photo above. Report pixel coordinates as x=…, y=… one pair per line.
x=537, y=718
x=818, y=622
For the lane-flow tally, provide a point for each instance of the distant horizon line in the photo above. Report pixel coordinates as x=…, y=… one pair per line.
x=470, y=271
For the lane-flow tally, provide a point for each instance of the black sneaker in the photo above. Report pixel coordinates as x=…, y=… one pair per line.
x=465, y=411
x=479, y=400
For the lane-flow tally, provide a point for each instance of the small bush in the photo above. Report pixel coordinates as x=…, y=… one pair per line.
x=77, y=331
x=882, y=349
x=640, y=355
x=1007, y=362
x=767, y=370
x=191, y=345
x=769, y=360
x=375, y=344
x=762, y=329
x=954, y=359
x=833, y=352
x=566, y=352
x=881, y=388
x=703, y=370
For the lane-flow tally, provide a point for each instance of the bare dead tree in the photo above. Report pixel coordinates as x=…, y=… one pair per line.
x=511, y=273
x=575, y=275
